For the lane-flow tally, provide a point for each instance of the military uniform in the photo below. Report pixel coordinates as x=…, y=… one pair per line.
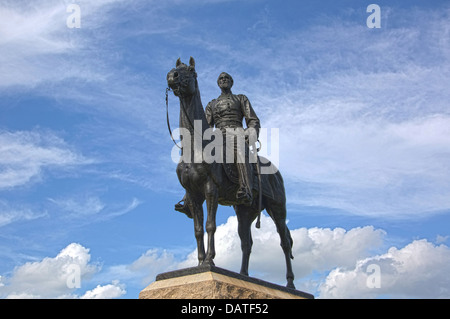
x=228, y=112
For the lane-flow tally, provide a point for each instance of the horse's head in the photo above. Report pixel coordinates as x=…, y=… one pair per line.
x=182, y=79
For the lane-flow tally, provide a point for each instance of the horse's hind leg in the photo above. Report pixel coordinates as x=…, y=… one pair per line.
x=278, y=214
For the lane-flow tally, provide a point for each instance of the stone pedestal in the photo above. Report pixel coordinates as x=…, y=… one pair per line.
x=210, y=282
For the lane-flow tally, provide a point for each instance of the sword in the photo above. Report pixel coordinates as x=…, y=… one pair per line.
x=258, y=170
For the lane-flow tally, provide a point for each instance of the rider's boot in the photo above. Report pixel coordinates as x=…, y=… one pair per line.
x=183, y=208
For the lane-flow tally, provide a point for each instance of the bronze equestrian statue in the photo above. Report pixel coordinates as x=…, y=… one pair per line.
x=222, y=183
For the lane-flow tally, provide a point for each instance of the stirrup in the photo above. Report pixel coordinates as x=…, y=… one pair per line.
x=243, y=197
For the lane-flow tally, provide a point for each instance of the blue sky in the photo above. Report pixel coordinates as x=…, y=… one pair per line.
x=86, y=175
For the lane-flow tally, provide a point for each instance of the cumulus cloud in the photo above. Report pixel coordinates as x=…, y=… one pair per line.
x=418, y=270
x=315, y=249
x=110, y=291
x=153, y=262
x=48, y=277
x=24, y=155
x=57, y=277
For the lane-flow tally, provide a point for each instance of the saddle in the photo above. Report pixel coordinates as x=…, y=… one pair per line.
x=232, y=174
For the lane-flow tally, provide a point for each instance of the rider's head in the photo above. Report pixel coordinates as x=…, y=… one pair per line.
x=225, y=81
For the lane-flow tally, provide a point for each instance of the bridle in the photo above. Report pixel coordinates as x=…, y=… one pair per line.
x=182, y=106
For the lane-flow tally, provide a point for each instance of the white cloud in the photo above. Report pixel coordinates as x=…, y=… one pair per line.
x=153, y=262
x=441, y=239
x=12, y=213
x=90, y=205
x=142, y=271
x=35, y=42
x=56, y=277
x=90, y=209
x=110, y=291
x=123, y=210
x=38, y=48
x=24, y=155
x=418, y=270
x=388, y=169
x=48, y=277
x=85, y=69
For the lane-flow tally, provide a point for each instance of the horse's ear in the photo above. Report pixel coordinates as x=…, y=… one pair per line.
x=178, y=63
x=192, y=62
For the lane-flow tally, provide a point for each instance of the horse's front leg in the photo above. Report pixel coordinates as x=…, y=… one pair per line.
x=211, y=205
x=245, y=218
x=197, y=214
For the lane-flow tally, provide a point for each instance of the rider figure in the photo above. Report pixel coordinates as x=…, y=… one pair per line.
x=227, y=112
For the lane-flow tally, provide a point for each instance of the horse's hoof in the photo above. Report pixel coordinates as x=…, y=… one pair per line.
x=290, y=285
x=208, y=263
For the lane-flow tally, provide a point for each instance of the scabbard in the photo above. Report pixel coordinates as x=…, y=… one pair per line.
x=258, y=170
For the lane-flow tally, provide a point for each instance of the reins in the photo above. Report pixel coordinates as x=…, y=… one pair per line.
x=185, y=114
x=167, y=116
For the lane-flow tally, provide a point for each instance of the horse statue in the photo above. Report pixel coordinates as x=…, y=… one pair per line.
x=211, y=182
